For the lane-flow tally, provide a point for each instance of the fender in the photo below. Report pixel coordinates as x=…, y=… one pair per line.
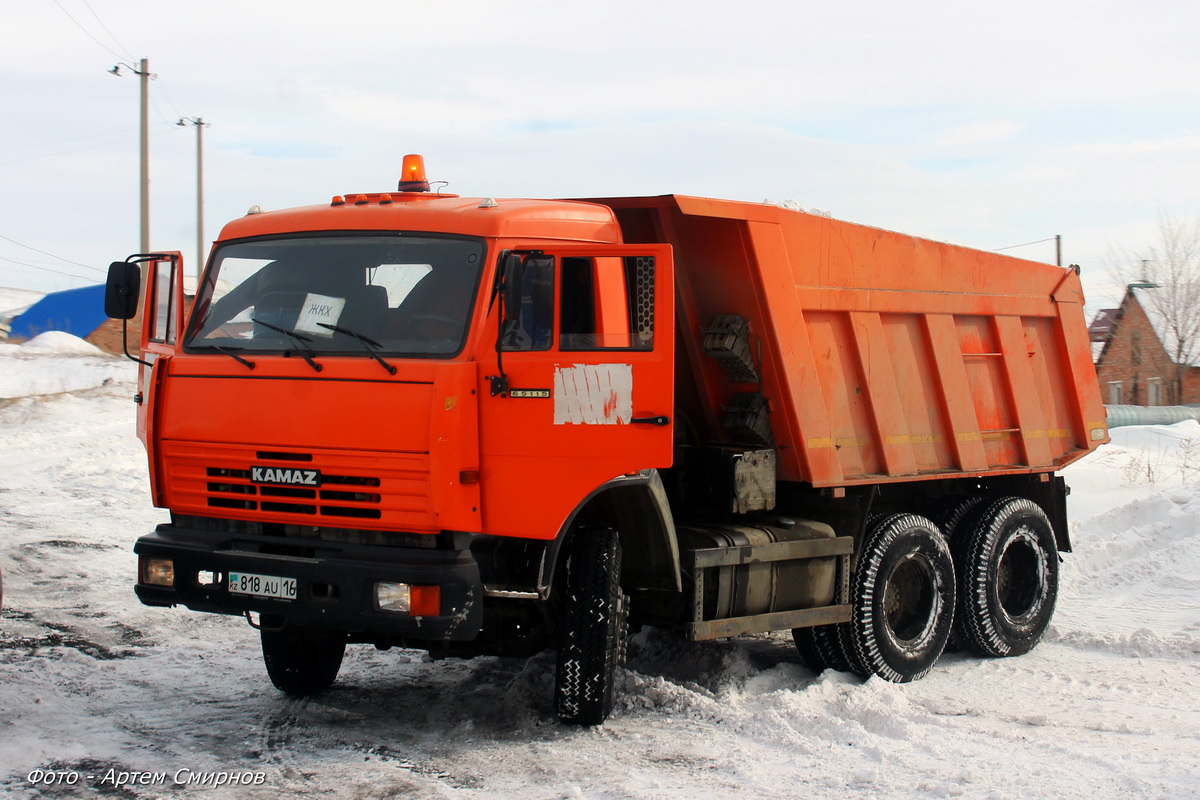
x=633, y=504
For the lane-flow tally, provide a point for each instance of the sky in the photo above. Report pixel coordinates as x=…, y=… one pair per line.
x=987, y=125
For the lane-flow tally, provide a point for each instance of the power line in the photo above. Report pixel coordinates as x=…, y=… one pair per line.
x=45, y=253
x=76, y=149
x=163, y=88
x=158, y=129
x=48, y=269
x=85, y=30
x=106, y=30
x=70, y=140
x=1015, y=246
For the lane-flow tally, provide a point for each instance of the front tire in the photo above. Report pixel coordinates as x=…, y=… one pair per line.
x=302, y=661
x=1008, y=579
x=593, y=625
x=903, y=593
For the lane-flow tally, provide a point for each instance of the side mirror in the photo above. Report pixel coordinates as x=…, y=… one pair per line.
x=514, y=276
x=122, y=290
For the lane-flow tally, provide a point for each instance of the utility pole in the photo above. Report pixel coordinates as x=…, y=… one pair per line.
x=200, y=126
x=143, y=72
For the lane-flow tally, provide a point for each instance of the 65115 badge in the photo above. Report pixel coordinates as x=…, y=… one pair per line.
x=285, y=476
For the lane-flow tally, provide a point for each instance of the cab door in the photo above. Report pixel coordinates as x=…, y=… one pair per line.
x=582, y=388
x=162, y=322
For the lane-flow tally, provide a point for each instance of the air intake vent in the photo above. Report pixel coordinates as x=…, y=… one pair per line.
x=269, y=455
x=338, y=496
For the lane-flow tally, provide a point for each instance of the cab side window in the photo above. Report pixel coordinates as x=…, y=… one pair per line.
x=533, y=329
x=607, y=303
x=164, y=302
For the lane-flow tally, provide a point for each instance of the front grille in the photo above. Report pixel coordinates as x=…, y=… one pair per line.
x=361, y=507
x=390, y=489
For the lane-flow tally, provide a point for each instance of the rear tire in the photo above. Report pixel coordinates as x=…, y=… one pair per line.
x=952, y=519
x=593, y=625
x=903, y=592
x=302, y=661
x=820, y=647
x=1008, y=579
x=956, y=515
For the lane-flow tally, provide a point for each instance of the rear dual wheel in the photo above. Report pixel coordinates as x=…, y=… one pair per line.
x=820, y=647
x=1007, y=560
x=903, y=597
x=951, y=518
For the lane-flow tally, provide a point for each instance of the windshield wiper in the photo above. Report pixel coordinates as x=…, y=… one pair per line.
x=232, y=352
x=367, y=343
x=305, y=352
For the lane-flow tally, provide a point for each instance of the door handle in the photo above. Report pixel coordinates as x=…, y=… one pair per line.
x=659, y=421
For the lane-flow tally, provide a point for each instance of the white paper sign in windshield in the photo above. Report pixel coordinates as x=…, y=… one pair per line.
x=319, y=308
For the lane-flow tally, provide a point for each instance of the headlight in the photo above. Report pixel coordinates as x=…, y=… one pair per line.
x=393, y=596
x=416, y=601
x=158, y=571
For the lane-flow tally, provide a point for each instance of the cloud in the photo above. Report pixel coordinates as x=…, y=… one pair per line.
x=977, y=133
x=1176, y=146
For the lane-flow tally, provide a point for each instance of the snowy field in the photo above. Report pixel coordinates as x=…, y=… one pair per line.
x=95, y=687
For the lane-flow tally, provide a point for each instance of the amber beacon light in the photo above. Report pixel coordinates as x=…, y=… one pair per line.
x=412, y=175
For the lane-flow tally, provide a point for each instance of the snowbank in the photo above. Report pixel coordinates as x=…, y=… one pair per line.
x=55, y=362
x=1133, y=582
x=61, y=343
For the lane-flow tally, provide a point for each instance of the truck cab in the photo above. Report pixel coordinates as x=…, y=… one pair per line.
x=382, y=417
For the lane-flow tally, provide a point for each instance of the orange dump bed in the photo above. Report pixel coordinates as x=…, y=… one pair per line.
x=882, y=356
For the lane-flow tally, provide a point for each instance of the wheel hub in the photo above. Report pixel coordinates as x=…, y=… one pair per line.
x=911, y=601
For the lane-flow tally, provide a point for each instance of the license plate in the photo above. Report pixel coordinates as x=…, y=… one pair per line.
x=262, y=585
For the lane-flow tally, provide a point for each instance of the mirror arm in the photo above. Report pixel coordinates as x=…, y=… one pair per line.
x=125, y=345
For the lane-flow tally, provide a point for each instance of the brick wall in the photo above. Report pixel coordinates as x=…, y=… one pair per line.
x=1134, y=356
x=108, y=336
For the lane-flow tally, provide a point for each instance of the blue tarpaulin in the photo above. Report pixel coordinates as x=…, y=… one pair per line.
x=75, y=311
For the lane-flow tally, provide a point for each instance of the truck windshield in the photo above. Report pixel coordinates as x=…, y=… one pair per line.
x=400, y=294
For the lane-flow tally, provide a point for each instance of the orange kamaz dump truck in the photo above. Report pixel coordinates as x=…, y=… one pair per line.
x=494, y=426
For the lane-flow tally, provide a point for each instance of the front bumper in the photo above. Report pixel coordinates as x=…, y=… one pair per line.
x=335, y=582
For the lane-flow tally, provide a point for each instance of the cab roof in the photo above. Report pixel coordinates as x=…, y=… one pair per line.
x=472, y=216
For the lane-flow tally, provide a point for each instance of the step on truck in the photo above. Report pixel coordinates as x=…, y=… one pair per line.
x=496, y=426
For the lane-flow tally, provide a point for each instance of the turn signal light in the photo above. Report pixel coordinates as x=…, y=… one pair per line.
x=412, y=175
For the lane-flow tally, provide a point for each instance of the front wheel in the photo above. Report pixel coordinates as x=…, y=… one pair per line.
x=594, y=621
x=302, y=661
x=903, y=593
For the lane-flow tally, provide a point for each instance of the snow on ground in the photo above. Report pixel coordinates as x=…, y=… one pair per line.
x=55, y=362
x=93, y=685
